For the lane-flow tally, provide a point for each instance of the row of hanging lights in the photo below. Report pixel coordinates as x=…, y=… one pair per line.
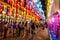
x=17, y=10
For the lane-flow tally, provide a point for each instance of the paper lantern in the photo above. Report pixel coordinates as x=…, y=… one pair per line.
x=11, y=2
x=27, y=7
x=13, y=11
x=0, y=10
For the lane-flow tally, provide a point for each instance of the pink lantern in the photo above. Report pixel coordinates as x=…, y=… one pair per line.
x=54, y=22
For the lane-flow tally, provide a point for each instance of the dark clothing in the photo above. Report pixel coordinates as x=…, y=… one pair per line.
x=10, y=25
x=14, y=25
x=43, y=28
x=37, y=26
x=19, y=30
x=14, y=28
x=5, y=32
x=32, y=26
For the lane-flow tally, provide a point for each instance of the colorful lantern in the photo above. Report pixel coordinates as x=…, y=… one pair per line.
x=0, y=9
x=53, y=22
x=11, y=2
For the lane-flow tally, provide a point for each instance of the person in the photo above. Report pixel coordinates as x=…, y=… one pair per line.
x=10, y=28
x=28, y=27
x=5, y=29
x=19, y=29
x=58, y=33
x=37, y=25
x=25, y=28
x=46, y=26
x=1, y=28
x=22, y=29
x=33, y=29
x=42, y=26
x=14, y=28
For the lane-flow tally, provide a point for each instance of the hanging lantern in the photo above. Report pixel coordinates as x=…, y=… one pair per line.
x=16, y=6
x=28, y=11
x=13, y=12
x=0, y=8
x=22, y=3
x=16, y=1
x=11, y=2
x=27, y=7
x=8, y=11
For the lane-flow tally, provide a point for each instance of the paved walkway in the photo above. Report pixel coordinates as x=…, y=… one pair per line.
x=40, y=35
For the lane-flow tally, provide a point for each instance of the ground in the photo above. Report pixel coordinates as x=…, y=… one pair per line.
x=40, y=34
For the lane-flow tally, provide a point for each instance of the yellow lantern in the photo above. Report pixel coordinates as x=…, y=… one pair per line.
x=48, y=5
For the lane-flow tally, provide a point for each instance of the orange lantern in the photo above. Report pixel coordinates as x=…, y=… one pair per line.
x=22, y=3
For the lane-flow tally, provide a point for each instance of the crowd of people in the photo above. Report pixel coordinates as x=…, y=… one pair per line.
x=20, y=29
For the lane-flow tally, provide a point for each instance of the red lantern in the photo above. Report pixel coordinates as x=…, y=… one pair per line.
x=22, y=3
x=13, y=12
x=8, y=13
x=22, y=8
x=10, y=1
x=38, y=16
x=16, y=1
x=28, y=11
x=0, y=9
x=16, y=6
x=27, y=7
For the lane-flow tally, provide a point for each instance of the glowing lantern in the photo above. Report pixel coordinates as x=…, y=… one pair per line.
x=27, y=7
x=22, y=8
x=11, y=2
x=0, y=8
x=16, y=1
x=28, y=11
x=30, y=4
x=13, y=12
x=22, y=3
x=54, y=19
x=16, y=11
x=17, y=6
x=8, y=14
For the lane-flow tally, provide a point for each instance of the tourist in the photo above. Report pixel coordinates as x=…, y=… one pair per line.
x=14, y=28
x=5, y=29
